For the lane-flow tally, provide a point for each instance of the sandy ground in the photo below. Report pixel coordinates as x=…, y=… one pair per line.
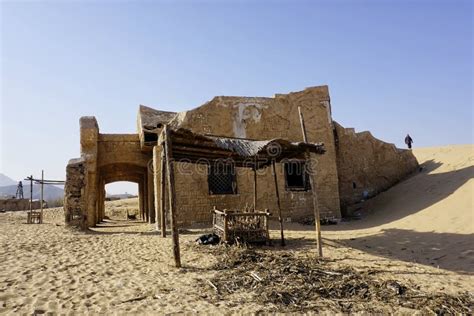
x=420, y=231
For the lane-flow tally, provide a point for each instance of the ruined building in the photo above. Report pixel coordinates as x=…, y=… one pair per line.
x=355, y=165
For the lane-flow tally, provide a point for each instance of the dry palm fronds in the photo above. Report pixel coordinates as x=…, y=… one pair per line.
x=284, y=282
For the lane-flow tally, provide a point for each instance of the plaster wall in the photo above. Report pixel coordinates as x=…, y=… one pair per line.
x=261, y=118
x=368, y=166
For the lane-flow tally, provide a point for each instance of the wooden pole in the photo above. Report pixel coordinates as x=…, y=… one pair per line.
x=317, y=217
x=280, y=219
x=255, y=186
x=30, y=215
x=31, y=193
x=172, y=198
x=163, y=191
x=41, y=202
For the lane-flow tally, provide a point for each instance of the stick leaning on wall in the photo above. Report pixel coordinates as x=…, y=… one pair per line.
x=317, y=218
x=172, y=196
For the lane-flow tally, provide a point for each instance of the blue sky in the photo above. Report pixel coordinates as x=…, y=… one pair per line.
x=392, y=66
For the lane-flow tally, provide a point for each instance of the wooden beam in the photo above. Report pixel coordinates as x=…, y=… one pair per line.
x=172, y=198
x=280, y=219
x=163, y=191
x=317, y=217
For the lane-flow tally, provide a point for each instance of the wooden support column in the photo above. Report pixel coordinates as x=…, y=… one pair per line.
x=163, y=190
x=255, y=185
x=172, y=197
x=280, y=219
x=317, y=217
x=150, y=190
x=145, y=197
x=140, y=200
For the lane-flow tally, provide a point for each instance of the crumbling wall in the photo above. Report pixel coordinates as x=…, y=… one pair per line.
x=75, y=193
x=89, y=153
x=18, y=204
x=262, y=118
x=368, y=166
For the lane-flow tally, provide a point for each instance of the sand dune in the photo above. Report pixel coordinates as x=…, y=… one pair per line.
x=420, y=231
x=428, y=218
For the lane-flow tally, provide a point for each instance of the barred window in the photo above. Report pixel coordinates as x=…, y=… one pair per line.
x=296, y=176
x=221, y=179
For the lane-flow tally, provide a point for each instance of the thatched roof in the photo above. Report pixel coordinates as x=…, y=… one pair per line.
x=198, y=148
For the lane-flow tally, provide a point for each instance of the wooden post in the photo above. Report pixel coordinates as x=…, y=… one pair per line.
x=226, y=221
x=312, y=182
x=163, y=191
x=172, y=198
x=145, y=197
x=41, y=202
x=280, y=219
x=30, y=213
x=140, y=199
x=31, y=193
x=269, y=241
x=255, y=186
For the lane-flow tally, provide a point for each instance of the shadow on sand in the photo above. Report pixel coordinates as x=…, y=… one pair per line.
x=454, y=252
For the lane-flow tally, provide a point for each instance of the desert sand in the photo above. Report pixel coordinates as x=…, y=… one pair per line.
x=420, y=231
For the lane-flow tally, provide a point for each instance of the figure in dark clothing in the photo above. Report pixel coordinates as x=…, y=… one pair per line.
x=408, y=141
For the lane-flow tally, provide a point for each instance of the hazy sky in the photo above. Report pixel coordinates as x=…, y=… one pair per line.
x=392, y=66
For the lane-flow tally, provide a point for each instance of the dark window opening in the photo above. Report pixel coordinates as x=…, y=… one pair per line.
x=296, y=176
x=151, y=137
x=354, y=185
x=221, y=179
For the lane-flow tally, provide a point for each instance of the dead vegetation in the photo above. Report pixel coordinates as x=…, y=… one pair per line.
x=281, y=281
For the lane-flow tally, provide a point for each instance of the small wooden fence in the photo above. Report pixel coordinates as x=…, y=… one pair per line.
x=251, y=227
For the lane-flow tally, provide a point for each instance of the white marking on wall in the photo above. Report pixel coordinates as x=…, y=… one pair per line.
x=246, y=112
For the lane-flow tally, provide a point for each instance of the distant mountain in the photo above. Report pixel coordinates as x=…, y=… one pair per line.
x=5, y=180
x=51, y=192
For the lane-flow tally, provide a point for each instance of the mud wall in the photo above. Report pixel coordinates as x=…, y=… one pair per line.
x=18, y=204
x=74, y=193
x=368, y=166
x=261, y=118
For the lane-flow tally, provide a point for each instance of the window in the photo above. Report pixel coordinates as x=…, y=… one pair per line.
x=296, y=176
x=221, y=179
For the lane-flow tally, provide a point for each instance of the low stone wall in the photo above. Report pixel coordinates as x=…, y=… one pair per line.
x=18, y=205
x=368, y=166
x=74, y=193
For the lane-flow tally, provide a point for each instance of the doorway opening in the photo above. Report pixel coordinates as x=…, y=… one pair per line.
x=122, y=201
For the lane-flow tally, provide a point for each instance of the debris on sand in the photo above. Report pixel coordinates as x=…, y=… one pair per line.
x=281, y=281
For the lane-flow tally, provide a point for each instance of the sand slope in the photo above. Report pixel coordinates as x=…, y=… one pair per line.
x=429, y=218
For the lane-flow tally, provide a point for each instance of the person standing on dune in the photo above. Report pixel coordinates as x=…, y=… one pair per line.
x=408, y=141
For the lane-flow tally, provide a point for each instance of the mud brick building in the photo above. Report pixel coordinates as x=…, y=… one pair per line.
x=355, y=165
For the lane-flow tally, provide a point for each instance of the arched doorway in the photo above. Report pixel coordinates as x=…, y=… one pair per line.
x=120, y=172
x=121, y=201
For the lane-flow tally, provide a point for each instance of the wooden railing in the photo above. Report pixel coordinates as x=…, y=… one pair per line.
x=233, y=226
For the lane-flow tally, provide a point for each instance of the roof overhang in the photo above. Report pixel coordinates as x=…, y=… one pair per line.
x=197, y=148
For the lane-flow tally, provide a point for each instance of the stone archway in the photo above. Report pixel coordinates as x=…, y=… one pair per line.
x=123, y=172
